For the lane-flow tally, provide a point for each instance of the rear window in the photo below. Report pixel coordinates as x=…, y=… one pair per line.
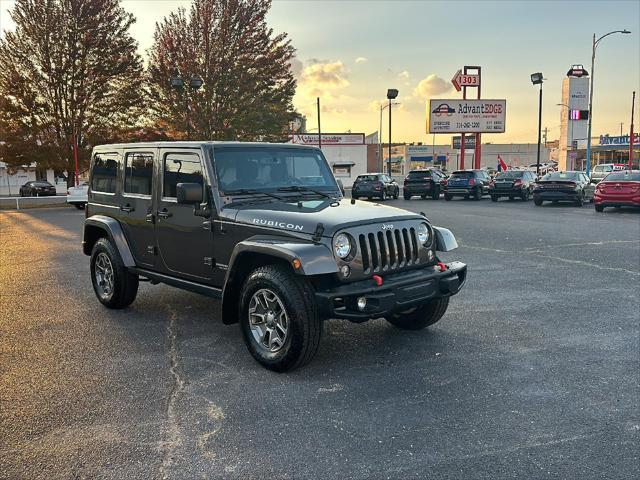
x=42, y=184
x=422, y=174
x=603, y=168
x=573, y=176
x=511, y=174
x=367, y=178
x=623, y=177
x=462, y=174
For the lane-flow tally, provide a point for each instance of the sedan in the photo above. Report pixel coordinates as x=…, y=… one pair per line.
x=512, y=184
x=375, y=185
x=37, y=188
x=618, y=189
x=563, y=187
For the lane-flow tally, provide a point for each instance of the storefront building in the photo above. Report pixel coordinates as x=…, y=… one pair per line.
x=615, y=149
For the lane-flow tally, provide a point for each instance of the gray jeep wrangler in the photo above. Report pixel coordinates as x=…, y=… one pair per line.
x=266, y=229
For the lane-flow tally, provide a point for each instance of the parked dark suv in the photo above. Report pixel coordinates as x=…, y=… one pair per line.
x=468, y=184
x=512, y=184
x=426, y=183
x=375, y=185
x=264, y=228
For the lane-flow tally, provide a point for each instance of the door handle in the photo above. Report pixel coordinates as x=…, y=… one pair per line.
x=127, y=208
x=164, y=213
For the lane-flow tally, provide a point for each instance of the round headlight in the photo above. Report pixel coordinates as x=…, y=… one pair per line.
x=342, y=245
x=424, y=234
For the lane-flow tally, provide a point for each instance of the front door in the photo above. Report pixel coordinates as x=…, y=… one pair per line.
x=136, y=205
x=185, y=241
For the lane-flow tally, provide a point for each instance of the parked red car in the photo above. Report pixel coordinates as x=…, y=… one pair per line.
x=618, y=189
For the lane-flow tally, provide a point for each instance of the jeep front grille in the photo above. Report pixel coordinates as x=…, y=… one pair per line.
x=388, y=249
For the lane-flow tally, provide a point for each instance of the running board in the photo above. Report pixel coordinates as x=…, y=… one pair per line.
x=155, y=277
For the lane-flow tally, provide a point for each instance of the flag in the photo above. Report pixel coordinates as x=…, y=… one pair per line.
x=502, y=166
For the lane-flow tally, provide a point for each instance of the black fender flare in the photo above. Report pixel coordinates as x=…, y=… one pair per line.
x=113, y=231
x=315, y=259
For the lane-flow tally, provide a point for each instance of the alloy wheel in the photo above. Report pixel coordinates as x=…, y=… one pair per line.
x=103, y=272
x=268, y=320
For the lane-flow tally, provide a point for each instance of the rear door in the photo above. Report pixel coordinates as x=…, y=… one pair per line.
x=137, y=204
x=185, y=241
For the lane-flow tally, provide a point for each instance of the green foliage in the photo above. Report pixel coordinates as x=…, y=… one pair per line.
x=248, y=83
x=69, y=67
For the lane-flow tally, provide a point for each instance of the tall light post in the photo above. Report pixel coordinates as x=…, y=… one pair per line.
x=392, y=94
x=536, y=79
x=593, y=59
x=178, y=84
x=382, y=107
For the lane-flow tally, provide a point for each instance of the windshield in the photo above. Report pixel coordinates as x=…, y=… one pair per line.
x=367, y=178
x=420, y=174
x=603, y=168
x=462, y=174
x=561, y=176
x=623, y=177
x=510, y=174
x=268, y=169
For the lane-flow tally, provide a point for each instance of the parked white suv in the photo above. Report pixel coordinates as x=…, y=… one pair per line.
x=78, y=195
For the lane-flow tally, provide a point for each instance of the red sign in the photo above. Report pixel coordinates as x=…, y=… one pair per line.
x=460, y=80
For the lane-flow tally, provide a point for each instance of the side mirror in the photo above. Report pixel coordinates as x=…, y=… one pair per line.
x=189, y=193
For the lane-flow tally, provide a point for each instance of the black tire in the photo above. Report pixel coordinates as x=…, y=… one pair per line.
x=477, y=194
x=525, y=196
x=448, y=197
x=397, y=194
x=407, y=196
x=421, y=316
x=599, y=208
x=423, y=196
x=355, y=197
x=435, y=193
x=494, y=198
x=511, y=198
x=537, y=202
x=580, y=200
x=79, y=206
x=304, y=327
x=124, y=286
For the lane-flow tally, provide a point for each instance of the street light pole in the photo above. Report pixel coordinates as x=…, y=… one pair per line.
x=593, y=59
x=536, y=79
x=392, y=93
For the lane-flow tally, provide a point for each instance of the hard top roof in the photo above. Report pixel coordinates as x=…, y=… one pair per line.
x=197, y=144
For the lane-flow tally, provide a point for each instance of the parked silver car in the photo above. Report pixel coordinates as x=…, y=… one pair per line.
x=604, y=169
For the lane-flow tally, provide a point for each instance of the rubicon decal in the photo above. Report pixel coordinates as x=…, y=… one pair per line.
x=272, y=223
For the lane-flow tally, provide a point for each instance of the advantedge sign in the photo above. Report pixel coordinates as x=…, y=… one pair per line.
x=466, y=116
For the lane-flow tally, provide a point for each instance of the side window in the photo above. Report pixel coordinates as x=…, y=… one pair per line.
x=105, y=172
x=138, y=173
x=180, y=168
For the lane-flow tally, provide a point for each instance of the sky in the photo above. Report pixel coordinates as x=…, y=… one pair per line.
x=350, y=52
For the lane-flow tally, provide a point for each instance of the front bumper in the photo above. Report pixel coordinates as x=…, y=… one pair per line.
x=398, y=292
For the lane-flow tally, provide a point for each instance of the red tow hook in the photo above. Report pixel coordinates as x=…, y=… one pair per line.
x=378, y=280
x=441, y=266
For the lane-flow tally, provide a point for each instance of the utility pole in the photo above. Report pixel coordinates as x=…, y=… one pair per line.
x=319, y=131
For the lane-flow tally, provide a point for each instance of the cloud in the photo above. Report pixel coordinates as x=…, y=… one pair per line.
x=403, y=75
x=374, y=106
x=432, y=85
x=320, y=78
x=296, y=67
x=361, y=59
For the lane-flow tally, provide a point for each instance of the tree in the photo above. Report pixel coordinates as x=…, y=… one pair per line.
x=69, y=70
x=248, y=82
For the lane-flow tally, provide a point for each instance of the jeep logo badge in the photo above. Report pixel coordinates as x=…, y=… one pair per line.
x=387, y=226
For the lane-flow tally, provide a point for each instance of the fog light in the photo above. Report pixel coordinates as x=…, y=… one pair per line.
x=362, y=303
x=345, y=270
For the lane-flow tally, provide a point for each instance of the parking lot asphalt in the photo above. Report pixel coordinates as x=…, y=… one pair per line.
x=532, y=373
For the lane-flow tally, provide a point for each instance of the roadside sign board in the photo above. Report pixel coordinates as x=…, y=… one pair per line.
x=469, y=142
x=466, y=116
x=460, y=80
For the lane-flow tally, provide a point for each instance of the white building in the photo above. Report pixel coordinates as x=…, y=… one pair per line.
x=12, y=178
x=574, y=117
x=345, y=152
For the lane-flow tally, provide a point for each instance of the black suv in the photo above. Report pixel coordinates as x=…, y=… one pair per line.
x=512, y=184
x=375, y=185
x=264, y=228
x=468, y=184
x=426, y=183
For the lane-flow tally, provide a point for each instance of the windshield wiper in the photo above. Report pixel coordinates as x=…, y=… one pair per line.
x=298, y=188
x=247, y=191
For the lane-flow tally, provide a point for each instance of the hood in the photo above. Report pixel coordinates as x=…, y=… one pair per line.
x=304, y=217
